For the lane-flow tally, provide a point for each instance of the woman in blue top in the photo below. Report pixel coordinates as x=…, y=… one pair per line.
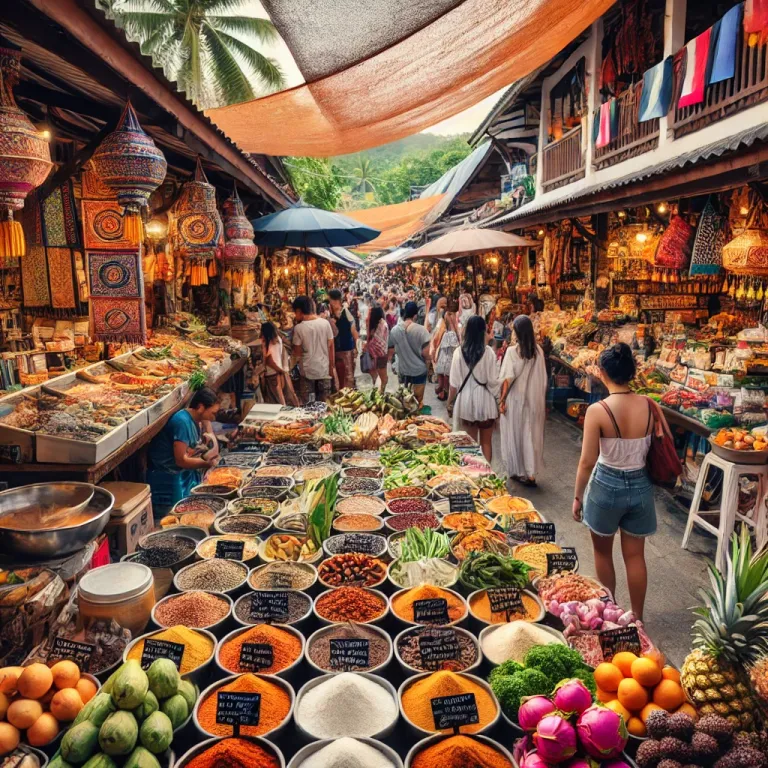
x=179, y=448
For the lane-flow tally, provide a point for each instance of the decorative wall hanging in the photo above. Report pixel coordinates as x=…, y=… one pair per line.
x=104, y=227
x=61, y=275
x=195, y=228
x=118, y=320
x=93, y=187
x=31, y=220
x=59, y=218
x=25, y=157
x=115, y=273
x=674, y=249
x=707, y=254
x=129, y=163
x=34, y=278
x=747, y=253
x=239, y=250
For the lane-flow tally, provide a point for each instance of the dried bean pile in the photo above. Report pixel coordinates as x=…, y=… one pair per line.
x=352, y=568
x=401, y=506
x=413, y=520
x=359, y=485
x=362, y=472
x=410, y=653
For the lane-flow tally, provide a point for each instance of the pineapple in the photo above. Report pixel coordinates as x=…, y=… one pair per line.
x=730, y=635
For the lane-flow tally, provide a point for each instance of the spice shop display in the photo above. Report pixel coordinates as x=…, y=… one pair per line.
x=351, y=604
x=197, y=646
x=268, y=649
x=349, y=647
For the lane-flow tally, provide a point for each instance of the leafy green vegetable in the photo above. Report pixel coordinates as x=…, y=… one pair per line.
x=508, y=667
x=197, y=379
x=321, y=508
x=511, y=689
x=338, y=423
x=556, y=661
x=423, y=545
x=481, y=570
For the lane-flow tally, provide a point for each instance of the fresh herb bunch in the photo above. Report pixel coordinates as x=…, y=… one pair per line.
x=484, y=570
x=338, y=423
x=423, y=544
x=197, y=379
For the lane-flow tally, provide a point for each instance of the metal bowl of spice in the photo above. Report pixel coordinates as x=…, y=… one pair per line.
x=213, y=546
x=253, y=506
x=275, y=493
x=251, y=750
x=405, y=492
x=430, y=649
x=409, y=505
x=405, y=520
x=357, y=522
x=359, y=504
x=226, y=577
x=445, y=607
x=352, y=569
x=440, y=747
x=281, y=651
x=481, y=608
x=196, y=503
x=350, y=486
x=253, y=525
x=375, y=473
x=197, y=608
x=275, y=470
x=165, y=549
x=373, y=658
x=371, y=543
x=251, y=608
x=386, y=752
x=358, y=604
x=284, y=575
x=222, y=491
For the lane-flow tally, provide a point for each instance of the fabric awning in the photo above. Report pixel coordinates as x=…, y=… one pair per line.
x=395, y=67
x=399, y=254
x=338, y=256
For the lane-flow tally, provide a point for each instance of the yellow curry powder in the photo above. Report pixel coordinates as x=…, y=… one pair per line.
x=198, y=648
x=480, y=605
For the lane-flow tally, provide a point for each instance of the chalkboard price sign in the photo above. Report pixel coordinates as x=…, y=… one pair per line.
x=613, y=641
x=228, y=549
x=461, y=502
x=438, y=645
x=557, y=562
x=454, y=711
x=238, y=709
x=505, y=600
x=256, y=656
x=539, y=532
x=80, y=653
x=280, y=580
x=350, y=654
x=433, y=611
x=161, y=649
x=269, y=606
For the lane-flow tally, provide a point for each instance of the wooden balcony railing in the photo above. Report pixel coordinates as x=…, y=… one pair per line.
x=748, y=87
x=563, y=160
x=633, y=138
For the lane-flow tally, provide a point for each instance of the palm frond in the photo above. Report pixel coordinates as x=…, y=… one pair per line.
x=143, y=24
x=263, y=29
x=266, y=69
x=230, y=78
x=214, y=7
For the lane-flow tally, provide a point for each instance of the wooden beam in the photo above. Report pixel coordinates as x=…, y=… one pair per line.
x=79, y=104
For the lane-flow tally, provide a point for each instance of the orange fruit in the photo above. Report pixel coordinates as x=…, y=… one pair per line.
x=4, y=702
x=23, y=712
x=623, y=661
x=66, y=704
x=647, y=709
x=617, y=707
x=34, y=681
x=646, y=671
x=43, y=731
x=632, y=695
x=656, y=655
x=86, y=689
x=65, y=674
x=605, y=696
x=608, y=676
x=9, y=677
x=636, y=726
x=668, y=695
x=688, y=709
x=9, y=738
x=670, y=673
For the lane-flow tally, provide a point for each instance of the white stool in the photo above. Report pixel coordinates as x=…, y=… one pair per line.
x=729, y=504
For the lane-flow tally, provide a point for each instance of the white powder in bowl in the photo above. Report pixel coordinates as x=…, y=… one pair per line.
x=347, y=753
x=513, y=641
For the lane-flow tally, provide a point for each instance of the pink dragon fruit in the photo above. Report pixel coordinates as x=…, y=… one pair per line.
x=532, y=760
x=614, y=764
x=602, y=732
x=572, y=697
x=532, y=710
x=581, y=762
x=555, y=739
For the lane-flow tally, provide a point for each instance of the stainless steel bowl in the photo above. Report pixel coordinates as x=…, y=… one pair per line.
x=57, y=542
x=72, y=497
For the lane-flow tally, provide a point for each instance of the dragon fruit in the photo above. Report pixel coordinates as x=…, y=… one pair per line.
x=614, y=764
x=532, y=710
x=572, y=697
x=555, y=739
x=580, y=762
x=532, y=760
x=602, y=732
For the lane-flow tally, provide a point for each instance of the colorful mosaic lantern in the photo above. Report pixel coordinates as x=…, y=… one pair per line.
x=239, y=250
x=25, y=158
x=129, y=163
x=747, y=253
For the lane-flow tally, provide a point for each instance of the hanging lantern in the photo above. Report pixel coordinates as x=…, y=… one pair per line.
x=239, y=250
x=129, y=163
x=747, y=253
x=25, y=157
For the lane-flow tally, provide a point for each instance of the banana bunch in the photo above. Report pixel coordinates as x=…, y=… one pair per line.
x=365, y=424
x=398, y=404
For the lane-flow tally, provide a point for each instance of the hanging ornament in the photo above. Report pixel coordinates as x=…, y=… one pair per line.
x=760, y=292
x=239, y=250
x=129, y=163
x=25, y=157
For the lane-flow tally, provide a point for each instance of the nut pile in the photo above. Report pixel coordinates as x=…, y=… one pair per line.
x=352, y=568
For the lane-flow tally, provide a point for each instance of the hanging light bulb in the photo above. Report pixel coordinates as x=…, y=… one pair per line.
x=641, y=237
x=541, y=233
x=743, y=211
x=661, y=208
x=621, y=214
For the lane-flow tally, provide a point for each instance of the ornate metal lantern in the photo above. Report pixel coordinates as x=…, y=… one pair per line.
x=239, y=250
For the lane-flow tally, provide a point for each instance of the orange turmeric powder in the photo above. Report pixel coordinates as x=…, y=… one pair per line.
x=286, y=648
x=459, y=752
x=402, y=604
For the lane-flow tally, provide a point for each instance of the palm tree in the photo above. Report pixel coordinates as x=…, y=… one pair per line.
x=363, y=173
x=200, y=44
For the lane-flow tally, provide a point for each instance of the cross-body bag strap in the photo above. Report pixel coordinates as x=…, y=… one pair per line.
x=417, y=352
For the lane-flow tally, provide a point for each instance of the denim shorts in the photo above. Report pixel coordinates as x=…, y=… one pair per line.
x=414, y=381
x=619, y=499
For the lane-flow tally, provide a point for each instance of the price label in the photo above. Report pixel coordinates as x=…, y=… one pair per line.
x=366, y=545
x=558, y=562
x=80, y=653
x=256, y=656
x=613, y=641
x=454, y=711
x=270, y=606
x=433, y=611
x=161, y=649
x=280, y=580
x=350, y=654
x=438, y=645
x=461, y=502
x=505, y=600
x=228, y=549
x=540, y=532
x=238, y=708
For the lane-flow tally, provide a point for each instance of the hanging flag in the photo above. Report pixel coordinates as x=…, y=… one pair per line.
x=657, y=91
x=755, y=21
x=607, y=124
x=725, y=35
x=695, y=64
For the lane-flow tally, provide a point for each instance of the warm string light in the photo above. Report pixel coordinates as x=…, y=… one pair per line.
x=661, y=208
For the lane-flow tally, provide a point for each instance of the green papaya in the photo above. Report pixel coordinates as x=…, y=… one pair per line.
x=118, y=734
x=176, y=708
x=107, y=687
x=96, y=710
x=147, y=707
x=130, y=686
x=164, y=678
x=80, y=742
x=101, y=761
x=189, y=692
x=141, y=758
x=57, y=761
x=156, y=733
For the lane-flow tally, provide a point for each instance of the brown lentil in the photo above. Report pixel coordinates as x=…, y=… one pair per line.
x=319, y=649
x=408, y=648
x=283, y=575
x=370, y=505
x=363, y=472
x=298, y=607
x=350, y=604
x=195, y=609
x=215, y=575
x=352, y=568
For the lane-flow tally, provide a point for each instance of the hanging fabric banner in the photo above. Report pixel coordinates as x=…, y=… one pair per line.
x=755, y=21
x=695, y=69
x=656, y=91
x=725, y=35
x=707, y=254
x=606, y=123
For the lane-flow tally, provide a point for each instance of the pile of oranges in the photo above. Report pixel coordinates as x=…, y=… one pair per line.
x=634, y=686
x=36, y=699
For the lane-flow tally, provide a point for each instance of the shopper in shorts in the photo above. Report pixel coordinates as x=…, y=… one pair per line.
x=313, y=349
x=410, y=341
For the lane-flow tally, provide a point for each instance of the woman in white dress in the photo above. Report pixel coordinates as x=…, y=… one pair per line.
x=444, y=343
x=474, y=385
x=523, y=404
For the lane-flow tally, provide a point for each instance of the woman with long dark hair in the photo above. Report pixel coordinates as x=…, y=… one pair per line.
x=474, y=383
x=376, y=344
x=523, y=404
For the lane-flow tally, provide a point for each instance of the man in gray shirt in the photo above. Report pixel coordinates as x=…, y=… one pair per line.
x=411, y=343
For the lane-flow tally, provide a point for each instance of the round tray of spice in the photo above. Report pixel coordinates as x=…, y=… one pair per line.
x=222, y=491
x=243, y=750
x=359, y=504
x=232, y=477
x=455, y=486
x=446, y=607
x=215, y=575
x=477, y=750
x=416, y=694
x=405, y=492
x=330, y=753
x=315, y=472
x=466, y=521
x=288, y=547
x=283, y=575
x=404, y=506
x=197, y=609
x=246, y=460
x=247, y=613
x=272, y=492
x=164, y=549
x=513, y=523
x=405, y=520
x=321, y=658
x=374, y=473
x=429, y=649
x=443, y=507
x=433, y=570
x=253, y=525
x=213, y=504
x=357, y=522
x=512, y=641
x=370, y=543
x=368, y=459
x=199, y=646
x=481, y=540
x=277, y=700
x=505, y=505
x=351, y=486
x=253, y=505
x=209, y=547
x=363, y=606
x=481, y=608
x=275, y=470
x=535, y=555
x=352, y=568
x=570, y=586
x=285, y=642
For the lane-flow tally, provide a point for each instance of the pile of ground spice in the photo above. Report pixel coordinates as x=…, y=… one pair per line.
x=286, y=648
x=215, y=575
x=283, y=576
x=480, y=605
x=350, y=604
x=459, y=752
x=409, y=648
x=402, y=603
x=275, y=706
x=198, y=648
x=207, y=548
x=234, y=753
x=417, y=698
x=319, y=649
x=196, y=609
x=299, y=605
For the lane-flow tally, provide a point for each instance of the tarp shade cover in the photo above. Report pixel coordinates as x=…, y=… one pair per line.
x=447, y=66
x=468, y=240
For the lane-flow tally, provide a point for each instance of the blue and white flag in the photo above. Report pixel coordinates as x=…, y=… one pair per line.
x=725, y=34
x=657, y=91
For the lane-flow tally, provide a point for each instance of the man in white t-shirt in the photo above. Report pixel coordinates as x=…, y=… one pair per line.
x=313, y=349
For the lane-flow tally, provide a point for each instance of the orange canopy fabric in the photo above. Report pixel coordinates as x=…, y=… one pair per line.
x=397, y=222
x=447, y=66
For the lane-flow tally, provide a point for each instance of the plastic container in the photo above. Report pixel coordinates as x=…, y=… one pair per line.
x=305, y=752
x=121, y=591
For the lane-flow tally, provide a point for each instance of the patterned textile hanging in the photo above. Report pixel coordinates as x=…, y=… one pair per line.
x=707, y=254
x=195, y=229
x=25, y=157
x=674, y=249
x=239, y=250
x=129, y=163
